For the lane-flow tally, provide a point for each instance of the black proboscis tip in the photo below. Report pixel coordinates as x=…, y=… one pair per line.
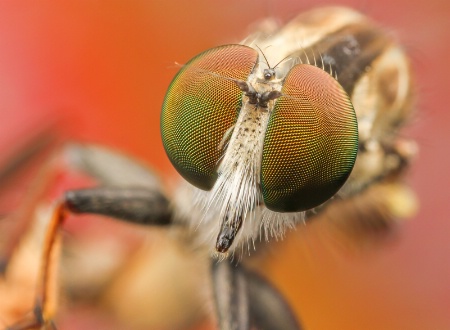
x=224, y=241
x=228, y=233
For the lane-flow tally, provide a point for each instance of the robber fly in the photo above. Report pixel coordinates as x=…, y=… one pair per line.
x=294, y=123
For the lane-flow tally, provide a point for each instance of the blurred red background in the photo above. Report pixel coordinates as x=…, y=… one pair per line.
x=103, y=66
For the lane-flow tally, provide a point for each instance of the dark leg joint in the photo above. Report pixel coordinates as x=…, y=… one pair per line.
x=38, y=314
x=35, y=322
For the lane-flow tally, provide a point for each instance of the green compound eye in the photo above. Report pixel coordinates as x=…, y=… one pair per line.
x=201, y=104
x=311, y=141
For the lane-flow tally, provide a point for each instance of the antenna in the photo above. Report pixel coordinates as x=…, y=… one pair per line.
x=269, y=74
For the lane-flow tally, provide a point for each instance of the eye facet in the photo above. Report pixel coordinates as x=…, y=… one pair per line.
x=201, y=104
x=311, y=141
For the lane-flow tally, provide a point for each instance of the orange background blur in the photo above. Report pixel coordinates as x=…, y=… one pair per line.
x=104, y=67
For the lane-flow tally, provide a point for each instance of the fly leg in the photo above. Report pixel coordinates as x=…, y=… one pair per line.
x=234, y=287
x=134, y=197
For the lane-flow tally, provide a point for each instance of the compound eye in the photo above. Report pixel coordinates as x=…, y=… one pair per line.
x=311, y=141
x=201, y=104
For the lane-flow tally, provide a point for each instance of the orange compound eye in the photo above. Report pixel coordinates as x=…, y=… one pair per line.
x=201, y=104
x=311, y=141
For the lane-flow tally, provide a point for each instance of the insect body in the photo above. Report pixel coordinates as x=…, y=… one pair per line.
x=291, y=132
